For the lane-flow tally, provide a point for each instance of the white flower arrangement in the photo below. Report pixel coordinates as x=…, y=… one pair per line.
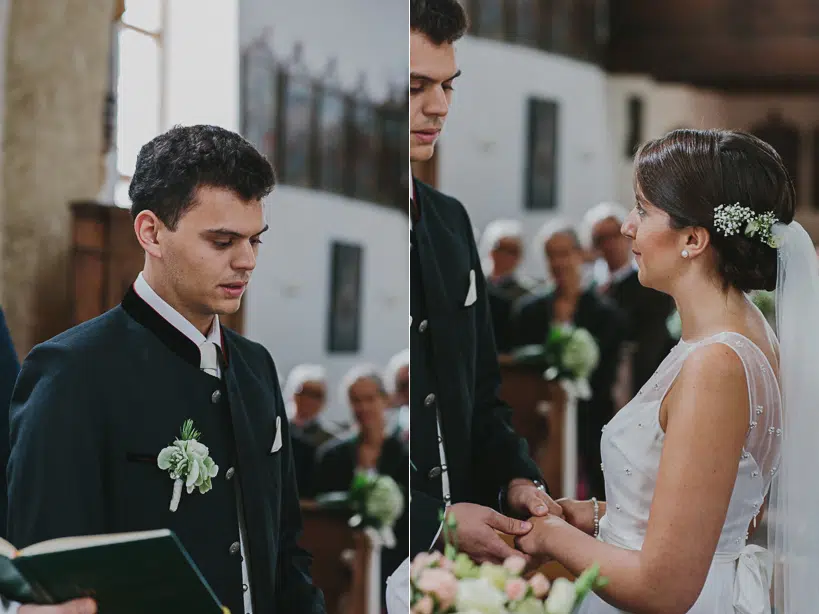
x=730, y=219
x=374, y=501
x=188, y=462
x=674, y=325
x=572, y=355
x=454, y=584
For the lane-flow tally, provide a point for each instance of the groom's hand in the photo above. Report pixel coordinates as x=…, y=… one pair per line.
x=476, y=532
x=525, y=499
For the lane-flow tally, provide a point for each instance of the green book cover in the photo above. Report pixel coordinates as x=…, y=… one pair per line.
x=127, y=573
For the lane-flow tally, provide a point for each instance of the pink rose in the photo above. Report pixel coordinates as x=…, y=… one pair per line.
x=424, y=605
x=515, y=564
x=540, y=585
x=441, y=583
x=516, y=589
x=445, y=563
x=423, y=560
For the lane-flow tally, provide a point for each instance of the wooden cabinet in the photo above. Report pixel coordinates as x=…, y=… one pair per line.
x=106, y=260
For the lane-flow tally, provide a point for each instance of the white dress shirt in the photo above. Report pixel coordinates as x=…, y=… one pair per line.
x=172, y=316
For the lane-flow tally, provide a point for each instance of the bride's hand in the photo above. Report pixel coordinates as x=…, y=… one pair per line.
x=536, y=542
x=579, y=514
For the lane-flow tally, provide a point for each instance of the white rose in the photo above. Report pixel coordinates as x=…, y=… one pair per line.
x=385, y=502
x=194, y=448
x=479, y=596
x=561, y=597
x=581, y=354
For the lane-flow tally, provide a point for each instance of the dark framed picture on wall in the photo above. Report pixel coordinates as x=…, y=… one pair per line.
x=346, y=262
x=541, y=154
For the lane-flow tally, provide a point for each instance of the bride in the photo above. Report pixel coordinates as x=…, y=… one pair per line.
x=689, y=462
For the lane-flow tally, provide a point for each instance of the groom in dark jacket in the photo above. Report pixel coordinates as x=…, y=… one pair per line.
x=94, y=406
x=465, y=455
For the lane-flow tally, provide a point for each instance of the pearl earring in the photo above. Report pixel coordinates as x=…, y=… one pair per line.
x=684, y=253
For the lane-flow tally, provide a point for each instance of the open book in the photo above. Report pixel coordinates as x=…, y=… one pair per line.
x=127, y=573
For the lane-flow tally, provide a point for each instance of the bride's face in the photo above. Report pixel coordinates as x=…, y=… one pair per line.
x=657, y=247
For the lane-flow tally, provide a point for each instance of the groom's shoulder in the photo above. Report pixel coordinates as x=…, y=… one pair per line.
x=83, y=352
x=95, y=335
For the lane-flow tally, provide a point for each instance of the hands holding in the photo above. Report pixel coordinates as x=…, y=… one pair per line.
x=525, y=499
x=579, y=514
x=476, y=532
x=477, y=527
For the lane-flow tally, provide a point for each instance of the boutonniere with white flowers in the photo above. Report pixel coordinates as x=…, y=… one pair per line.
x=188, y=463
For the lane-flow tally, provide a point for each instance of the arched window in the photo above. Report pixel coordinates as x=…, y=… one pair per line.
x=140, y=84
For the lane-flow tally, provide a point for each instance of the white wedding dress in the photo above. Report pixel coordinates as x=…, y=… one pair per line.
x=631, y=445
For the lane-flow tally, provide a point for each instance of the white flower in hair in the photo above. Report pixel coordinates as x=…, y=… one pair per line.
x=730, y=219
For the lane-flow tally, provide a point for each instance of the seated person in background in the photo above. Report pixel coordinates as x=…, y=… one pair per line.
x=372, y=448
x=396, y=380
x=569, y=302
x=305, y=393
x=501, y=249
x=646, y=310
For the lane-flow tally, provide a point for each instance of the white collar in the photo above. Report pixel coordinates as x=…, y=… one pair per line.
x=173, y=317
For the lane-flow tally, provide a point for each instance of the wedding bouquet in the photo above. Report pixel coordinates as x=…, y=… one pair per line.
x=374, y=502
x=452, y=584
x=571, y=354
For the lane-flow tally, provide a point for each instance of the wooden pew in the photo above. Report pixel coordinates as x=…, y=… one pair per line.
x=341, y=558
x=538, y=415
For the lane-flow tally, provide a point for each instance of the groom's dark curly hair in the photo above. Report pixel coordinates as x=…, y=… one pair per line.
x=441, y=21
x=171, y=167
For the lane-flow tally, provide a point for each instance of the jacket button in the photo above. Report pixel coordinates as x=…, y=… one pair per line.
x=422, y=326
x=429, y=400
x=234, y=548
x=216, y=396
x=434, y=473
x=229, y=473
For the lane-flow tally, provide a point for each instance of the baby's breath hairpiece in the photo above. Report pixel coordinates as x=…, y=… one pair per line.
x=731, y=219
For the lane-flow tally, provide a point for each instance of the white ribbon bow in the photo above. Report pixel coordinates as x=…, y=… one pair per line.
x=752, y=584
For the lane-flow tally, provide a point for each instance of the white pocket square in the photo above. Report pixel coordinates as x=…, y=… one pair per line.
x=472, y=295
x=277, y=443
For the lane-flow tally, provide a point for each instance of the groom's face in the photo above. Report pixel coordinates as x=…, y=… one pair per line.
x=209, y=257
x=432, y=72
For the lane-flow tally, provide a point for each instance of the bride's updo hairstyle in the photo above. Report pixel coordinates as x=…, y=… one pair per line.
x=688, y=173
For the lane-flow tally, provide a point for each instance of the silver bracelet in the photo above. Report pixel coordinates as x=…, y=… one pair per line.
x=596, y=517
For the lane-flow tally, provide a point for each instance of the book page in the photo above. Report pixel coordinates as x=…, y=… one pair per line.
x=7, y=550
x=64, y=544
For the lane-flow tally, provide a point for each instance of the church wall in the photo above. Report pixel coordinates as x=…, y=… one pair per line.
x=288, y=300
x=483, y=148
x=287, y=304
x=670, y=106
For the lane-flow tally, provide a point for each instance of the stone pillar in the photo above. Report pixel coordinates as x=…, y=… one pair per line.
x=56, y=80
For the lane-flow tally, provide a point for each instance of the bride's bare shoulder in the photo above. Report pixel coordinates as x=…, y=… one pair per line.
x=712, y=377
